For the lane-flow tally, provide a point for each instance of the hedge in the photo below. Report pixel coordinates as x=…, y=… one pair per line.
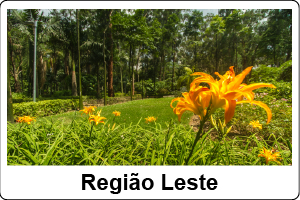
x=21, y=100
x=44, y=108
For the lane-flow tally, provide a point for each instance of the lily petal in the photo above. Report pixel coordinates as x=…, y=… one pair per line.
x=256, y=86
x=238, y=79
x=261, y=104
x=229, y=110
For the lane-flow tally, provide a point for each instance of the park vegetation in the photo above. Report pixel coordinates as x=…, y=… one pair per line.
x=89, y=56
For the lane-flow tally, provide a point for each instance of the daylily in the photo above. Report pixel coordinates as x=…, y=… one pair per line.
x=255, y=124
x=97, y=118
x=150, y=119
x=196, y=100
x=117, y=113
x=88, y=110
x=26, y=119
x=229, y=91
x=269, y=155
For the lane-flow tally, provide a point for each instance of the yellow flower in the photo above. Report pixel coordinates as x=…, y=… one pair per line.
x=26, y=119
x=150, y=119
x=117, y=113
x=229, y=91
x=196, y=100
x=88, y=110
x=269, y=155
x=256, y=124
x=96, y=118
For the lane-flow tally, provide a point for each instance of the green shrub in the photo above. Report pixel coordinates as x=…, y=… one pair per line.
x=286, y=71
x=264, y=74
x=119, y=94
x=17, y=95
x=44, y=108
x=26, y=99
x=283, y=90
x=177, y=93
x=20, y=100
x=163, y=91
x=137, y=96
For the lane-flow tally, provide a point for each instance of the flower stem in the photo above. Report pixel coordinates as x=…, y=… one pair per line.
x=196, y=140
x=199, y=133
x=91, y=134
x=166, y=138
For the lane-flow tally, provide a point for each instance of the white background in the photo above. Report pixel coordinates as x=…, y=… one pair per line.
x=271, y=182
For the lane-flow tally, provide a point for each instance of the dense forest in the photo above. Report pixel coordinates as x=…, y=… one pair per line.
x=139, y=50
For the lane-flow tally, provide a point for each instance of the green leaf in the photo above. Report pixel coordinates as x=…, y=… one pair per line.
x=29, y=156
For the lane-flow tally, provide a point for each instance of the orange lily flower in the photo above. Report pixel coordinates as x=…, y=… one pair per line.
x=196, y=100
x=229, y=91
x=269, y=155
x=26, y=119
x=117, y=113
x=96, y=118
x=88, y=110
x=256, y=124
x=150, y=119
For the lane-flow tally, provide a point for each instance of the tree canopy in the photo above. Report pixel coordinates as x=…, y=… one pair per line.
x=160, y=47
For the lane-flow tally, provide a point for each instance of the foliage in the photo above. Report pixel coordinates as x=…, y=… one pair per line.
x=150, y=41
x=186, y=79
x=265, y=74
x=134, y=142
x=44, y=108
x=286, y=71
x=283, y=90
x=280, y=77
x=16, y=95
x=61, y=93
x=119, y=94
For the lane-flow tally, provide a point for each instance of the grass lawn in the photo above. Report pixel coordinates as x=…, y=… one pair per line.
x=132, y=112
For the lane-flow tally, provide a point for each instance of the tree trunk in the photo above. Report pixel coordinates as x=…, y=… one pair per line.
x=154, y=74
x=236, y=63
x=160, y=72
x=129, y=71
x=110, y=64
x=67, y=71
x=121, y=79
x=74, y=84
x=132, y=61
x=132, y=72
x=80, y=89
x=274, y=55
x=98, y=81
x=163, y=63
x=137, y=62
x=29, y=69
x=43, y=76
x=244, y=57
x=15, y=72
x=173, y=73
x=120, y=70
x=10, y=116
